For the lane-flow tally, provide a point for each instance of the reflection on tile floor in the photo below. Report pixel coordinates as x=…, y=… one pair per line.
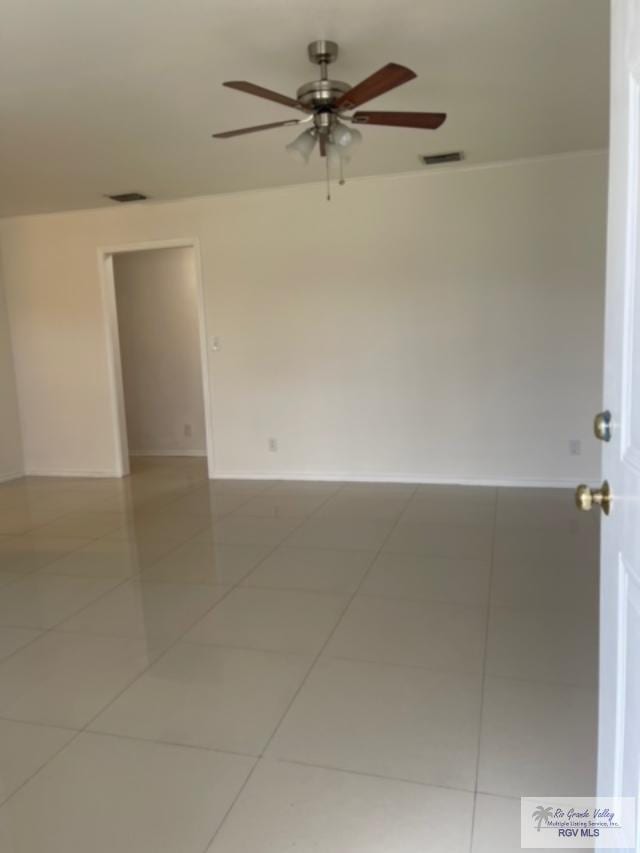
x=227, y=666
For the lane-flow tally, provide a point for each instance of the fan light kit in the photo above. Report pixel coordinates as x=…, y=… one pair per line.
x=327, y=103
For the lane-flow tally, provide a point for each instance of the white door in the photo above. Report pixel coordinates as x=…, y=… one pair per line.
x=619, y=722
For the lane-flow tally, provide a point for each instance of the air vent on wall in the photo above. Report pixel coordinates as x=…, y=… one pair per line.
x=125, y=197
x=438, y=159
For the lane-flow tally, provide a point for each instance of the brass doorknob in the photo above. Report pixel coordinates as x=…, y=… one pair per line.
x=602, y=426
x=586, y=498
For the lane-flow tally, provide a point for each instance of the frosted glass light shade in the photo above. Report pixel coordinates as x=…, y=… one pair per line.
x=337, y=155
x=302, y=146
x=345, y=137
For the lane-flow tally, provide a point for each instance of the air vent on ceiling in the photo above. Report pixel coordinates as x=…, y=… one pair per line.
x=125, y=197
x=438, y=159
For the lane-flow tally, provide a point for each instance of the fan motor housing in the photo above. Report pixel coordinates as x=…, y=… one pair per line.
x=321, y=93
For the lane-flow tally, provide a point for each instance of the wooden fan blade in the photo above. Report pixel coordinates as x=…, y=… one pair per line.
x=382, y=81
x=322, y=145
x=261, y=92
x=425, y=121
x=258, y=127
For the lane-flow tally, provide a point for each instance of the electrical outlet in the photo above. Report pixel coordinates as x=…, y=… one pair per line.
x=575, y=447
x=273, y=445
x=188, y=430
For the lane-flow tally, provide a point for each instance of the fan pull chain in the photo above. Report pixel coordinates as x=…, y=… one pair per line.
x=328, y=177
x=341, y=181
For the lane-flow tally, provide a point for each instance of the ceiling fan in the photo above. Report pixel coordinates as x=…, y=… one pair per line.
x=326, y=104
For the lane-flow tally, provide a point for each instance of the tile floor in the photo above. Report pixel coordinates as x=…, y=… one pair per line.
x=222, y=667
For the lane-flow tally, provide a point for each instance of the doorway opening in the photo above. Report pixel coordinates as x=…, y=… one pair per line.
x=157, y=350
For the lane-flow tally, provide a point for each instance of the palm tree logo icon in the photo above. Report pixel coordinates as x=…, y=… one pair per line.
x=542, y=814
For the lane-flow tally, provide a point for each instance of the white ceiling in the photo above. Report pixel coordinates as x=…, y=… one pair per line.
x=108, y=96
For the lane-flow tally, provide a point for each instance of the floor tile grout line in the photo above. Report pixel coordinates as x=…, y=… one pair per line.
x=41, y=569
x=151, y=503
x=305, y=679
x=379, y=663
x=178, y=744
x=37, y=527
x=42, y=632
x=55, y=628
x=308, y=656
x=86, y=540
x=484, y=668
x=8, y=719
x=589, y=688
x=265, y=588
x=369, y=775
x=410, y=666
x=439, y=602
x=224, y=514
x=71, y=740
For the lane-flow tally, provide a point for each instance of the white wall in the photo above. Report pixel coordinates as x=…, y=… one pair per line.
x=11, y=464
x=441, y=326
x=157, y=301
